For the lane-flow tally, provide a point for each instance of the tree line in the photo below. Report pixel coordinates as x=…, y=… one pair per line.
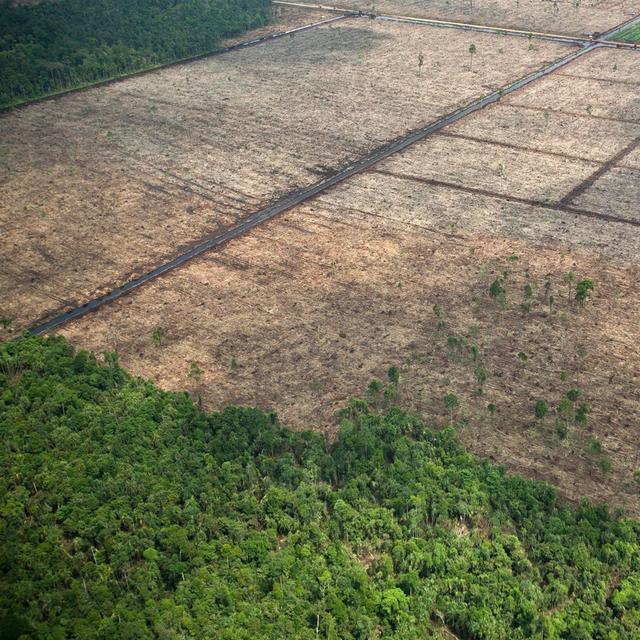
x=128, y=512
x=56, y=45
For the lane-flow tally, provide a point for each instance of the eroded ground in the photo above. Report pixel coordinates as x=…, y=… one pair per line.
x=570, y=17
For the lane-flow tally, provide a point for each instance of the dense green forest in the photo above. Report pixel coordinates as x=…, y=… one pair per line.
x=56, y=45
x=128, y=512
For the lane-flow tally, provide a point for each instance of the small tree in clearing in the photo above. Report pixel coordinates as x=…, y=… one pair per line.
x=451, y=402
x=582, y=413
x=195, y=372
x=541, y=410
x=496, y=290
x=375, y=387
x=472, y=52
x=523, y=357
x=420, y=62
x=583, y=290
x=570, y=280
x=157, y=336
x=481, y=377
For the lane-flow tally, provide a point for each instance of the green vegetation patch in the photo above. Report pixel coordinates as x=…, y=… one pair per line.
x=57, y=45
x=632, y=34
x=127, y=512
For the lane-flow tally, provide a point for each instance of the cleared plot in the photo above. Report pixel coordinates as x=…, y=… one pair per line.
x=99, y=185
x=616, y=192
x=515, y=156
x=465, y=212
x=500, y=170
x=565, y=16
x=549, y=132
x=581, y=92
x=302, y=313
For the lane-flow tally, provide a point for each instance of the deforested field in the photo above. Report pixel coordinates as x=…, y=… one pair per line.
x=460, y=259
x=570, y=17
x=110, y=182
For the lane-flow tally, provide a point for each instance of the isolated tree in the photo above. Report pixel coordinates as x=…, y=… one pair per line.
x=481, y=377
x=583, y=290
x=528, y=292
x=375, y=387
x=541, y=410
x=496, y=290
x=420, y=62
x=393, y=373
x=451, y=402
x=523, y=358
x=582, y=413
x=571, y=277
x=565, y=410
x=574, y=394
x=472, y=52
x=195, y=372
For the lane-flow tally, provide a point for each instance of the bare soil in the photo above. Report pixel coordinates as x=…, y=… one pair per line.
x=301, y=314
x=98, y=186
x=570, y=17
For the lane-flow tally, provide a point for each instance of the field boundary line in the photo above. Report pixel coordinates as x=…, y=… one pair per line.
x=518, y=147
x=571, y=114
x=588, y=182
x=299, y=196
x=596, y=79
x=561, y=208
x=244, y=44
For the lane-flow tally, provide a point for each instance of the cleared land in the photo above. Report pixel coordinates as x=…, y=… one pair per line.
x=303, y=312
x=578, y=18
x=108, y=183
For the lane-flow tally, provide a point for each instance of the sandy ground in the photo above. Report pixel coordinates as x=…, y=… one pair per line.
x=99, y=186
x=569, y=17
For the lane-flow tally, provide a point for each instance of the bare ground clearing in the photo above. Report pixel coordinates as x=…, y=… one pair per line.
x=303, y=312
x=581, y=92
x=300, y=314
x=540, y=155
x=105, y=184
x=564, y=17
